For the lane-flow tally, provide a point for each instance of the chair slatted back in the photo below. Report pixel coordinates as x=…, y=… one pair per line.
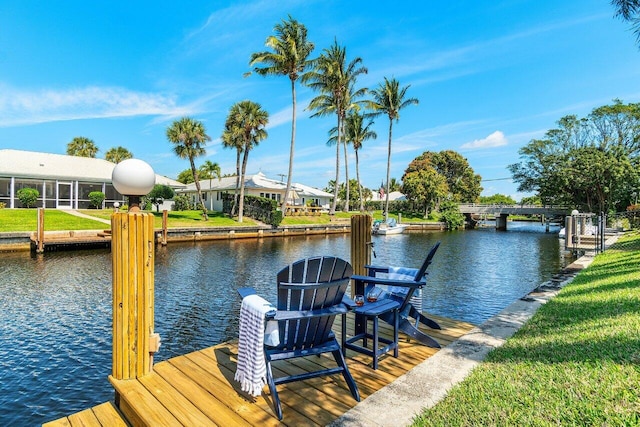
x=310, y=284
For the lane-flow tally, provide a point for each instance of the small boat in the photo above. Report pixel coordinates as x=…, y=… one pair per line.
x=388, y=227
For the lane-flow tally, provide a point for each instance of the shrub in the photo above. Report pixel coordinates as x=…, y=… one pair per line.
x=260, y=208
x=3, y=205
x=96, y=198
x=451, y=216
x=181, y=203
x=28, y=196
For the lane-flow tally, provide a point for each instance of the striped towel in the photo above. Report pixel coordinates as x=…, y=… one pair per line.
x=409, y=274
x=252, y=369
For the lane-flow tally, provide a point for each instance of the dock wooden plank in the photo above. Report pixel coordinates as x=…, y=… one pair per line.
x=140, y=406
x=253, y=411
x=216, y=410
x=181, y=407
x=108, y=415
x=198, y=388
x=84, y=418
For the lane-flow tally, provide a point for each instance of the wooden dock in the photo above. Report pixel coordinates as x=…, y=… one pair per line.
x=198, y=389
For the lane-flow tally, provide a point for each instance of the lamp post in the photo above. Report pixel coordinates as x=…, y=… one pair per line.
x=132, y=250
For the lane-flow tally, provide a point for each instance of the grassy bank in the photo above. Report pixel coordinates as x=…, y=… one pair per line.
x=13, y=220
x=56, y=220
x=576, y=362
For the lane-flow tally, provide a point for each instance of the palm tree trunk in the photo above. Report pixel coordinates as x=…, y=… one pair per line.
x=346, y=172
x=196, y=179
x=291, y=150
x=241, y=201
x=358, y=179
x=234, y=208
x=335, y=191
x=386, y=203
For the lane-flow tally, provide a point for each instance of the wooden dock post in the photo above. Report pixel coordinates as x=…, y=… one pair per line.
x=134, y=340
x=132, y=254
x=40, y=233
x=360, y=244
x=165, y=217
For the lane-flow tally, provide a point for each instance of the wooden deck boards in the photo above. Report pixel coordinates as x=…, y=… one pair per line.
x=198, y=388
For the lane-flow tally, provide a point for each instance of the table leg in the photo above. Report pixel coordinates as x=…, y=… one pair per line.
x=344, y=333
x=375, y=342
x=395, y=332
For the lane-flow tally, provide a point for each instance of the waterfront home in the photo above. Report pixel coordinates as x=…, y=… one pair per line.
x=64, y=182
x=256, y=185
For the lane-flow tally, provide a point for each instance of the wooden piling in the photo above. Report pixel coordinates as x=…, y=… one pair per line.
x=165, y=217
x=134, y=340
x=360, y=244
x=40, y=238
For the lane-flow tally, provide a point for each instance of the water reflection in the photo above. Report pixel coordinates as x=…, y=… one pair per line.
x=55, y=312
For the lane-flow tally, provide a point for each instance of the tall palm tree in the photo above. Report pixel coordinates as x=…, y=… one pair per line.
x=82, y=147
x=210, y=170
x=288, y=56
x=118, y=154
x=356, y=132
x=246, y=122
x=335, y=79
x=189, y=137
x=229, y=140
x=389, y=99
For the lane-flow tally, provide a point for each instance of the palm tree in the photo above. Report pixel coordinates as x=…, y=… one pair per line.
x=82, y=147
x=246, y=122
x=335, y=79
x=210, y=170
x=288, y=56
x=356, y=132
x=389, y=99
x=117, y=154
x=229, y=140
x=189, y=137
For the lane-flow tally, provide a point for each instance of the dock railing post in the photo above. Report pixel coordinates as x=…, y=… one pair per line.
x=165, y=217
x=132, y=248
x=360, y=244
x=40, y=233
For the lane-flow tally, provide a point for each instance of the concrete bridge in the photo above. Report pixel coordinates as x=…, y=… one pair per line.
x=501, y=212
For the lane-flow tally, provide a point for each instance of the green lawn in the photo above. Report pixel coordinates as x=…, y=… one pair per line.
x=576, y=362
x=178, y=219
x=54, y=220
x=26, y=219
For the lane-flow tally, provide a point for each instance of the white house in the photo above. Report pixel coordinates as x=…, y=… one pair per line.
x=64, y=182
x=256, y=185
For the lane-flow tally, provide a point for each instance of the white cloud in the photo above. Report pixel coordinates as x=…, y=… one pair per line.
x=496, y=139
x=23, y=107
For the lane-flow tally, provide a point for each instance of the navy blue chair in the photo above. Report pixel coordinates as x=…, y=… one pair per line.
x=310, y=293
x=401, y=290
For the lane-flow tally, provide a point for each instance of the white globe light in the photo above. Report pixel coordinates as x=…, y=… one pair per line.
x=574, y=212
x=133, y=177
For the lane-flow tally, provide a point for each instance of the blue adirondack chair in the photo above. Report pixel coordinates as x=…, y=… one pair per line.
x=400, y=290
x=310, y=293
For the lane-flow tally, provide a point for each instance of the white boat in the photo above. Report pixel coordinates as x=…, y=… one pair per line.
x=388, y=227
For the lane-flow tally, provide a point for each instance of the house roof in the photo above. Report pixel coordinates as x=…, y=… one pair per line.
x=33, y=164
x=257, y=182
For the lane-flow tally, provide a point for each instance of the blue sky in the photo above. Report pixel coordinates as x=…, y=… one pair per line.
x=489, y=75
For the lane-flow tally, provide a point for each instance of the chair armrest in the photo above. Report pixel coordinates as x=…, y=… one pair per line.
x=245, y=292
x=390, y=282
x=348, y=301
x=306, y=314
x=373, y=269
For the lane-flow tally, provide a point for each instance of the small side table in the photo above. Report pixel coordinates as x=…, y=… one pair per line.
x=371, y=311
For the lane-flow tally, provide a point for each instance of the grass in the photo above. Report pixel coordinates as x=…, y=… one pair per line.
x=179, y=219
x=576, y=362
x=12, y=220
x=26, y=219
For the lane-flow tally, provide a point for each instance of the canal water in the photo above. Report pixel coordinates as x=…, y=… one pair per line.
x=55, y=309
